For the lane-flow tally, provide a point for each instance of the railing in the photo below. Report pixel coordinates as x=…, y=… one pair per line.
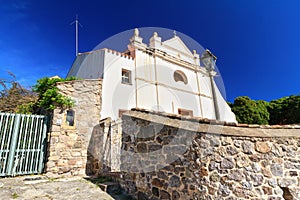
x=22, y=144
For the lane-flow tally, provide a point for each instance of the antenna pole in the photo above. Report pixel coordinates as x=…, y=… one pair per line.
x=76, y=32
x=76, y=23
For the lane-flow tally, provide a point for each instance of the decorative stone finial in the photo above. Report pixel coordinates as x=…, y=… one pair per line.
x=136, y=32
x=194, y=52
x=155, y=40
x=175, y=34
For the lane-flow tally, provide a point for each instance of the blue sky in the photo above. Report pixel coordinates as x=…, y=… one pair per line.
x=257, y=42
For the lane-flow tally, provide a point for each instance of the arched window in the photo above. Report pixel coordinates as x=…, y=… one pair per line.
x=180, y=76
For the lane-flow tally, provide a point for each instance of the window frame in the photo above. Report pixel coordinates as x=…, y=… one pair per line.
x=69, y=122
x=126, y=79
x=65, y=124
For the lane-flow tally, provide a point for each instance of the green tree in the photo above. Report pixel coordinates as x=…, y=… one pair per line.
x=285, y=110
x=250, y=111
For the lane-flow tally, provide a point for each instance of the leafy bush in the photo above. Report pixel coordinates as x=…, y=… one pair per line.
x=49, y=97
x=43, y=98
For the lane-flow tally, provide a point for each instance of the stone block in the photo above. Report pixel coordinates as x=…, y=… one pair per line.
x=54, y=140
x=286, y=182
x=267, y=190
x=157, y=182
x=50, y=164
x=162, y=175
x=231, y=150
x=65, y=154
x=247, y=147
x=242, y=161
x=257, y=179
x=62, y=163
x=266, y=172
x=75, y=154
x=227, y=163
x=235, y=175
x=174, y=181
x=276, y=169
x=154, y=147
x=142, y=147
x=226, y=141
x=214, y=177
x=55, y=133
x=51, y=158
x=72, y=162
x=164, y=195
x=175, y=195
x=273, y=182
x=263, y=147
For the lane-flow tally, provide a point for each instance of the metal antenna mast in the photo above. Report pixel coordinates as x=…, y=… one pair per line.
x=76, y=30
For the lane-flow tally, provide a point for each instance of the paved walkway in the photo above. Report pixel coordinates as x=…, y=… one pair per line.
x=43, y=188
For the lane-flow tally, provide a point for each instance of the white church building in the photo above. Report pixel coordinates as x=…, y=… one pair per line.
x=162, y=76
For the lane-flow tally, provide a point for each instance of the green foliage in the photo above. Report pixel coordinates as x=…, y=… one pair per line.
x=285, y=110
x=44, y=98
x=249, y=111
x=49, y=97
x=26, y=108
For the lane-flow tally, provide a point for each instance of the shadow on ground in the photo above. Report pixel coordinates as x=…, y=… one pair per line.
x=108, y=185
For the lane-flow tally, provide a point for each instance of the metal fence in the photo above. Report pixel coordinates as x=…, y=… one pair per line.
x=23, y=140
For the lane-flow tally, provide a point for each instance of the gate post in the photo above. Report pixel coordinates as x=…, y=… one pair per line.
x=43, y=144
x=13, y=144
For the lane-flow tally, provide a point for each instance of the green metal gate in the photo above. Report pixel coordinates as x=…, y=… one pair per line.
x=23, y=140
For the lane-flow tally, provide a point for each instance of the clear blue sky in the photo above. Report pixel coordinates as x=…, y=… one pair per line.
x=257, y=42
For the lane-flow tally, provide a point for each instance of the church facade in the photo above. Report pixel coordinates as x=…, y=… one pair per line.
x=163, y=76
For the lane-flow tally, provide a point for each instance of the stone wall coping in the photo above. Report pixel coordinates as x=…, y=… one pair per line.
x=213, y=126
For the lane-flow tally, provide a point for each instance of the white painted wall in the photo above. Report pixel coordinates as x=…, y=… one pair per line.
x=115, y=94
x=153, y=86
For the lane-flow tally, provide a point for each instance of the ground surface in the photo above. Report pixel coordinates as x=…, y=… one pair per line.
x=40, y=187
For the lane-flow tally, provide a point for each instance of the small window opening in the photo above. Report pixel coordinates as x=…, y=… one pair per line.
x=126, y=76
x=70, y=117
x=180, y=76
x=185, y=112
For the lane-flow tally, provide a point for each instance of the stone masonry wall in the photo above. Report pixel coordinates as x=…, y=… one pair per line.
x=68, y=146
x=169, y=158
